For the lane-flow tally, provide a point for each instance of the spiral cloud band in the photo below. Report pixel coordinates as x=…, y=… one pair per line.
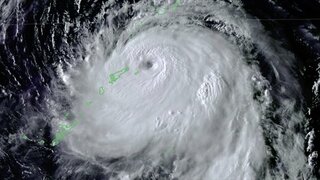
x=192, y=102
x=180, y=90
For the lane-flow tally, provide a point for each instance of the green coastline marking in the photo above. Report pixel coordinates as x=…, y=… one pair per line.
x=23, y=136
x=162, y=9
x=63, y=131
x=101, y=90
x=66, y=115
x=41, y=142
x=176, y=4
x=115, y=76
x=88, y=103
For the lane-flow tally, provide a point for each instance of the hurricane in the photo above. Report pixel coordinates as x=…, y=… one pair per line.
x=154, y=89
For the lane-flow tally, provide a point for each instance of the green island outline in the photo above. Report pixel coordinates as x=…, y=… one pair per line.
x=159, y=9
x=112, y=78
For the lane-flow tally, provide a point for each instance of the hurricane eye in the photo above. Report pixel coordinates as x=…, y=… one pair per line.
x=147, y=64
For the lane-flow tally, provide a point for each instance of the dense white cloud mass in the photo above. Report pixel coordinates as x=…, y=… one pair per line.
x=186, y=103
